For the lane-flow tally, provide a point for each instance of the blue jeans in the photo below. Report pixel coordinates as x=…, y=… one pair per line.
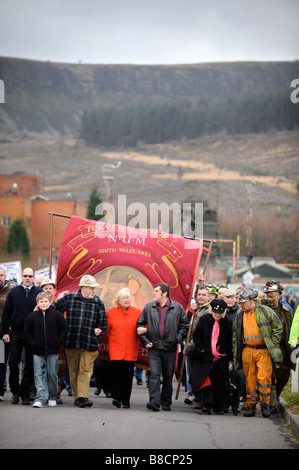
x=45, y=376
x=161, y=361
x=138, y=373
x=188, y=366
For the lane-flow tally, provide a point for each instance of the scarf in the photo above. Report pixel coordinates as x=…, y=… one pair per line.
x=214, y=339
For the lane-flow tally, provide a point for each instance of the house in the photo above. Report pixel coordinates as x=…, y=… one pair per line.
x=23, y=196
x=263, y=269
x=266, y=268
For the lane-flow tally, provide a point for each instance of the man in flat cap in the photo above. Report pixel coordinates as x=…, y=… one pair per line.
x=281, y=375
x=87, y=323
x=257, y=334
x=229, y=296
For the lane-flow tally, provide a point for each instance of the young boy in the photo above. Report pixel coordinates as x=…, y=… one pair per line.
x=45, y=330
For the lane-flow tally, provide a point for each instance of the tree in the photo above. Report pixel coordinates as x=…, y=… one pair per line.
x=94, y=200
x=17, y=239
x=162, y=120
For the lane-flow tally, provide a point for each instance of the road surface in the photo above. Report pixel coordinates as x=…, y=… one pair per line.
x=182, y=431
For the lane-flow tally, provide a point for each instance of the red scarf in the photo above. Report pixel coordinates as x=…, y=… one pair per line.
x=214, y=339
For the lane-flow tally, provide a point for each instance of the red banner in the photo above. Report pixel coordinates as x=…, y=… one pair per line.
x=119, y=256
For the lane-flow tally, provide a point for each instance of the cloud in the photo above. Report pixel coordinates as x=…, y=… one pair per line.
x=156, y=32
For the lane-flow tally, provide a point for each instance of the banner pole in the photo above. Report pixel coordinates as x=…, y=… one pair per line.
x=51, y=237
x=51, y=245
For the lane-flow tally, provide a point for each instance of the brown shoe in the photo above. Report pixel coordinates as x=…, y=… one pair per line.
x=197, y=406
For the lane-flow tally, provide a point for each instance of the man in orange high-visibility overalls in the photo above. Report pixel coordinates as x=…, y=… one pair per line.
x=256, y=337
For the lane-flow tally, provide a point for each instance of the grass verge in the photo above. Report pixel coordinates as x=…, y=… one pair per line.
x=291, y=398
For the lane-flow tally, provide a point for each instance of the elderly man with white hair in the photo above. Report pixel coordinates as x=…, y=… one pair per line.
x=87, y=324
x=230, y=297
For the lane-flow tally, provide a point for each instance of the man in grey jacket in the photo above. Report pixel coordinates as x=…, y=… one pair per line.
x=167, y=325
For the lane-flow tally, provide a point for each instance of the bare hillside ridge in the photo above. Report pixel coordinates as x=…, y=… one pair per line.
x=214, y=169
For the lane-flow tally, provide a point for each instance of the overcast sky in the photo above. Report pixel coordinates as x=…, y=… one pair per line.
x=149, y=31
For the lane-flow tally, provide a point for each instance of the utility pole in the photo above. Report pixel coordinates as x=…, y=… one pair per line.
x=108, y=177
x=249, y=217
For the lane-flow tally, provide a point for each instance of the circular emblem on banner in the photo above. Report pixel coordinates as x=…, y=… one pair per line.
x=114, y=278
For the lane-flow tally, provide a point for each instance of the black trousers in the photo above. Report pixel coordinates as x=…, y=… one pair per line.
x=122, y=378
x=17, y=344
x=216, y=395
x=102, y=372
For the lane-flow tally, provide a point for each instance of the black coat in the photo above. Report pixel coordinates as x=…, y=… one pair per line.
x=45, y=333
x=17, y=307
x=204, y=359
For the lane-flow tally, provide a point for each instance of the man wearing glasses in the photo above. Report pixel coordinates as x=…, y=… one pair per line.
x=21, y=301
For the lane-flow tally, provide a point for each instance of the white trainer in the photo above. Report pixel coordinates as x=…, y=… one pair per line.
x=52, y=402
x=38, y=404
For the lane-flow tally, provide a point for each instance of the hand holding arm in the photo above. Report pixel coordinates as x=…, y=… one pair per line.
x=141, y=330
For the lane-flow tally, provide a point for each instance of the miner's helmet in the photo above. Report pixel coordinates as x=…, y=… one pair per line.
x=247, y=294
x=88, y=281
x=212, y=289
x=273, y=286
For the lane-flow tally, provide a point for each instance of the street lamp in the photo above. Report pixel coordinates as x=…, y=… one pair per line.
x=108, y=177
x=249, y=187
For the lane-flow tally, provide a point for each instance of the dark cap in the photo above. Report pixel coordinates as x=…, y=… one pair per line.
x=218, y=306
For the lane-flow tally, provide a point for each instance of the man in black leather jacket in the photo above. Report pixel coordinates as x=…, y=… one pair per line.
x=167, y=325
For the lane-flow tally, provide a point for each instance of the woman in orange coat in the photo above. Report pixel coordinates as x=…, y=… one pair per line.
x=123, y=346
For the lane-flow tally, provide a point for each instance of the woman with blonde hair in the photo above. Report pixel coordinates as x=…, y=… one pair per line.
x=213, y=341
x=123, y=344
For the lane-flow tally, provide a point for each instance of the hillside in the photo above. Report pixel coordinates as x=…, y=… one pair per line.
x=212, y=168
x=47, y=100
x=41, y=118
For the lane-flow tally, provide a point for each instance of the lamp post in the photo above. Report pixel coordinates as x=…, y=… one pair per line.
x=108, y=177
x=249, y=216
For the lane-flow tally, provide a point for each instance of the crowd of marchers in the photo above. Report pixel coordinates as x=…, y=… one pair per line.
x=236, y=346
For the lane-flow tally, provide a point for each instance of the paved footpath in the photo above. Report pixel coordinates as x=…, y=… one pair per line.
x=125, y=432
